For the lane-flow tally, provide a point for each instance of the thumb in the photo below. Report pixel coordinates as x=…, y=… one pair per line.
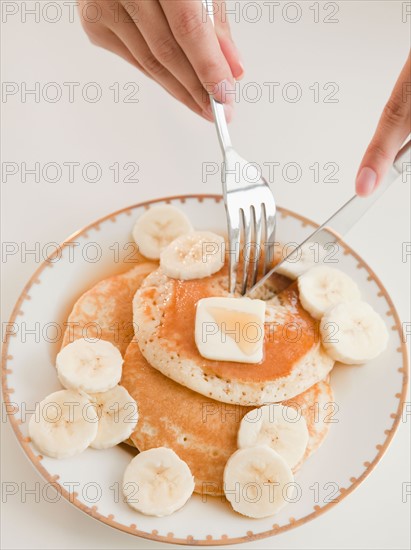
x=393, y=127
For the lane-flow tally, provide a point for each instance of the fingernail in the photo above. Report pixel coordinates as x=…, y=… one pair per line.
x=238, y=68
x=366, y=181
x=240, y=73
x=225, y=92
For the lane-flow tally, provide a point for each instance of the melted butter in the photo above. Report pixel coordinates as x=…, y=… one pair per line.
x=280, y=352
x=244, y=328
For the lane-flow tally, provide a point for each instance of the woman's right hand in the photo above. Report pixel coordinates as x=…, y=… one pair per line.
x=172, y=42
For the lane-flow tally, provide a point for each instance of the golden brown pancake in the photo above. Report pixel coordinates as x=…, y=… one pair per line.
x=165, y=310
x=202, y=431
x=105, y=310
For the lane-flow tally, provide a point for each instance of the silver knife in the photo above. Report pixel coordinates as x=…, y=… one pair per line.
x=338, y=224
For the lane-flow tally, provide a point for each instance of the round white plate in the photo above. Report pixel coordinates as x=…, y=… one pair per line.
x=363, y=421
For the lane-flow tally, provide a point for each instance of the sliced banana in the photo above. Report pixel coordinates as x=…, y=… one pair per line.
x=322, y=287
x=256, y=481
x=117, y=417
x=92, y=367
x=63, y=424
x=353, y=333
x=308, y=255
x=157, y=227
x=193, y=256
x=282, y=428
x=157, y=482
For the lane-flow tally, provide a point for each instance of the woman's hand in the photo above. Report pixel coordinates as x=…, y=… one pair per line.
x=393, y=127
x=172, y=42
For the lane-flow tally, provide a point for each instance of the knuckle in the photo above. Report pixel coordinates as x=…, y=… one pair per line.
x=152, y=65
x=92, y=30
x=96, y=22
x=395, y=111
x=377, y=149
x=189, y=25
x=209, y=69
x=166, y=49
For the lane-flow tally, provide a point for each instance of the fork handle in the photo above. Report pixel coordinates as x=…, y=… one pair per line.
x=217, y=107
x=221, y=125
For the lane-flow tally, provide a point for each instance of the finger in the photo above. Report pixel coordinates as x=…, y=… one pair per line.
x=232, y=55
x=110, y=41
x=155, y=29
x=227, y=45
x=195, y=34
x=101, y=34
x=393, y=127
x=131, y=37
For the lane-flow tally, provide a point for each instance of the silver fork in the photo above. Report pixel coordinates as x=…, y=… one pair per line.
x=249, y=204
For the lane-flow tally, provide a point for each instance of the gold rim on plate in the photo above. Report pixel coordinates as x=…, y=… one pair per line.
x=209, y=540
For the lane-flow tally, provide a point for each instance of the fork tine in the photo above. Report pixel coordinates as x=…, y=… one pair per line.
x=264, y=236
x=246, y=215
x=257, y=215
x=234, y=247
x=269, y=225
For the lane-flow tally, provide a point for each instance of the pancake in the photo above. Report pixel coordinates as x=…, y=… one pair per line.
x=203, y=432
x=105, y=310
x=164, y=312
x=316, y=404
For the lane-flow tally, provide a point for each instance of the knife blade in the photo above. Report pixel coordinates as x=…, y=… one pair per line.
x=331, y=231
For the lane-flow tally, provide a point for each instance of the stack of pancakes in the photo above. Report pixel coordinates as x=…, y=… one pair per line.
x=190, y=404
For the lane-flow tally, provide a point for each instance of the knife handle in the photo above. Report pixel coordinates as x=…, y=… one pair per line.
x=403, y=156
x=353, y=210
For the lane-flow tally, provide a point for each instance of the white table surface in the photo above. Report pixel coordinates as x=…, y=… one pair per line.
x=362, y=53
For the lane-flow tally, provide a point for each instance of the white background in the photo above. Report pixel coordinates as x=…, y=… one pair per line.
x=362, y=53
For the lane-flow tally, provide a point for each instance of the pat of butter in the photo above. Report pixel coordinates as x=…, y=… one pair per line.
x=230, y=329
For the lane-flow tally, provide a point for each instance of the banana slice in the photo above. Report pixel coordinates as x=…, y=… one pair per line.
x=353, y=333
x=284, y=429
x=193, y=256
x=64, y=424
x=157, y=227
x=309, y=255
x=89, y=366
x=256, y=481
x=322, y=287
x=157, y=482
x=117, y=417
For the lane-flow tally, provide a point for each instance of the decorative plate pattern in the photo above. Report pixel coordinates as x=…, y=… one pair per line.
x=364, y=421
